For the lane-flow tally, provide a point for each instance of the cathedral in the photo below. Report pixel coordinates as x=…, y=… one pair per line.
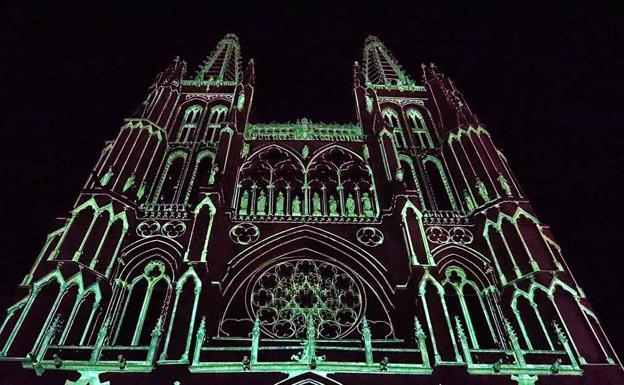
x=207, y=248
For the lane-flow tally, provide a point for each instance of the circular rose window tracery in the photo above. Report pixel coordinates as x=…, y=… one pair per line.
x=289, y=293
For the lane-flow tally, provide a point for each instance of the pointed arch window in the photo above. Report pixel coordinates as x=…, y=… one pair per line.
x=391, y=117
x=418, y=126
x=443, y=195
x=171, y=178
x=190, y=121
x=465, y=300
x=145, y=302
x=216, y=116
x=203, y=175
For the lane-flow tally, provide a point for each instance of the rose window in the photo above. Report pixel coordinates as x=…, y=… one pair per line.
x=287, y=295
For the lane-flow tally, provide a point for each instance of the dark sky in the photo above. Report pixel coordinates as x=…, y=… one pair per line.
x=548, y=83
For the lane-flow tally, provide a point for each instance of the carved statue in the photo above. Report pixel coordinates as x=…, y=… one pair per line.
x=261, y=206
x=240, y=103
x=333, y=206
x=365, y=152
x=368, y=205
x=350, y=206
x=244, y=203
x=296, y=207
x=482, y=191
x=213, y=172
x=279, y=204
x=369, y=104
x=400, y=174
x=308, y=354
x=469, y=203
x=107, y=177
x=504, y=184
x=316, y=205
x=245, y=150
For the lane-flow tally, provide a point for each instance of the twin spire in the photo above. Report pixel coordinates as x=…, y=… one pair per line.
x=379, y=65
x=224, y=63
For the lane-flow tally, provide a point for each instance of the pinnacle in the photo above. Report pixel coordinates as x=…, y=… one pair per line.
x=230, y=37
x=372, y=39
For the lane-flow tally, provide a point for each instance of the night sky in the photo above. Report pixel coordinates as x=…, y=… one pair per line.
x=548, y=84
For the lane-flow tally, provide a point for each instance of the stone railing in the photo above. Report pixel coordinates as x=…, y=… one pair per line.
x=164, y=210
x=304, y=130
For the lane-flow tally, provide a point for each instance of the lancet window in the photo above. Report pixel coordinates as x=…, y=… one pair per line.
x=443, y=195
x=190, y=121
x=216, y=116
x=457, y=297
x=203, y=175
x=171, y=178
x=465, y=300
x=391, y=117
x=144, y=300
x=419, y=128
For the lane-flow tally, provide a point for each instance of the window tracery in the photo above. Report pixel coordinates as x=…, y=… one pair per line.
x=171, y=178
x=190, y=122
x=419, y=127
x=271, y=184
x=289, y=295
x=201, y=176
x=148, y=292
x=391, y=117
x=216, y=116
x=340, y=185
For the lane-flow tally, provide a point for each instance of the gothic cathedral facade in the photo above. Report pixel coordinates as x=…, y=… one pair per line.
x=205, y=248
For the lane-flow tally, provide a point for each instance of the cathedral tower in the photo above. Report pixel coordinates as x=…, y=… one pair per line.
x=208, y=248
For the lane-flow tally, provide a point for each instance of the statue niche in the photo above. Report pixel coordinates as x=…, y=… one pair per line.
x=270, y=184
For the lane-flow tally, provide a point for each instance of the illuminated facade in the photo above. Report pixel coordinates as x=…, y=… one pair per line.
x=207, y=249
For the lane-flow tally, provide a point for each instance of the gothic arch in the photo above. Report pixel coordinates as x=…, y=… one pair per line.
x=419, y=126
x=174, y=347
x=416, y=244
x=170, y=250
x=170, y=177
x=88, y=238
x=191, y=120
x=339, y=184
x=79, y=324
x=469, y=295
x=433, y=310
x=202, y=174
x=515, y=237
x=44, y=295
x=534, y=312
x=466, y=257
x=367, y=264
x=440, y=183
x=270, y=182
x=218, y=113
x=142, y=290
x=281, y=147
x=318, y=245
x=392, y=119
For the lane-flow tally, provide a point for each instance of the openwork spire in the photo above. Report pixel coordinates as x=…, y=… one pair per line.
x=223, y=64
x=380, y=67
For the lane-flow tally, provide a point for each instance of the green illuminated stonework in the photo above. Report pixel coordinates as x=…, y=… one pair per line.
x=209, y=249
